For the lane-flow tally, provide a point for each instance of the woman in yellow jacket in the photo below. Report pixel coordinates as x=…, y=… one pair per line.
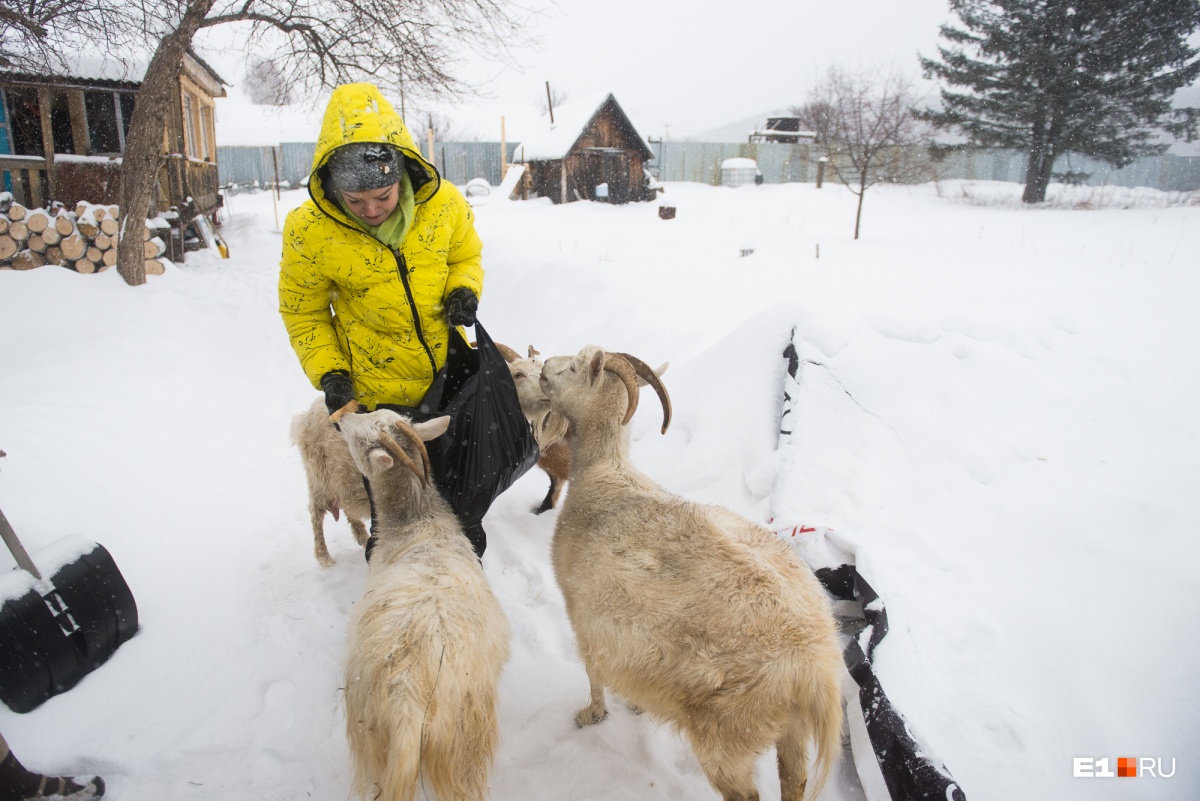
x=379, y=263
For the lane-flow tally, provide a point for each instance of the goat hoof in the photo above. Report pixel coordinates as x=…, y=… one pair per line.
x=589, y=715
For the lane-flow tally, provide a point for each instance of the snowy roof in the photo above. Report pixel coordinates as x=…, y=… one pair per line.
x=111, y=69
x=556, y=139
x=739, y=164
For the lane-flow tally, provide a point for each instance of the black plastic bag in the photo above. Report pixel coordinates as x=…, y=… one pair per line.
x=489, y=443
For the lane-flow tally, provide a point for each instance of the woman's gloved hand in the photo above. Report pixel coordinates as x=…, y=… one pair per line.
x=339, y=389
x=461, y=305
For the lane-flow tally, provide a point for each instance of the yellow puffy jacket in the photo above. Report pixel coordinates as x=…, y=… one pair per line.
x=347, y=300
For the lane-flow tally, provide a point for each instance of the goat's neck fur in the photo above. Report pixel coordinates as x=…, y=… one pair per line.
x=400, y=504
x=598, y=446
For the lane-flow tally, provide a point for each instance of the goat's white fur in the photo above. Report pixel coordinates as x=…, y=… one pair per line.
x=334, y=483
x=428, y=641
x=690, y=612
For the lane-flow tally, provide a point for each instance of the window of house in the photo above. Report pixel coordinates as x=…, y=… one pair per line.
x=189, y=125
x=60, y=123
x=205, y=123
x=104, y=133
x=126, y=101
x=25, y=122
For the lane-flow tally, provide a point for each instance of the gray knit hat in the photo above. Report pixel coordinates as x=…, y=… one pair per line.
x=362, y=166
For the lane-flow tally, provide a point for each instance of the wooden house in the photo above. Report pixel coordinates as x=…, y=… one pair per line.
x=62, y=135
x=586, y=151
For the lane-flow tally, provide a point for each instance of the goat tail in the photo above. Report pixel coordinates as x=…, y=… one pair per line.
x=386, y=752
x=817, y=718
x=384, y=722
x=827, y=728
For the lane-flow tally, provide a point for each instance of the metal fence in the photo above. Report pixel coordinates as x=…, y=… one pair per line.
x=700, y=162
x=458, y=162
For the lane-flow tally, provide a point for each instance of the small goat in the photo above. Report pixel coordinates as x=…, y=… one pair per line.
x=549, y=428
x=690, y=612
x=428, y=640
x=334, y=483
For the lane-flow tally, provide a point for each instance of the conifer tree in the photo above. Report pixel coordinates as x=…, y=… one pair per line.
x=1093, y=77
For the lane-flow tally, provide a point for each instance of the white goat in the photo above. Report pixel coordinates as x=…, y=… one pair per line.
x=428, y=640
x=690, y=612
x=334, y=483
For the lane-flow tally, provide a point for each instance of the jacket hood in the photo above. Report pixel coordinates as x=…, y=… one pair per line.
x=358, y=112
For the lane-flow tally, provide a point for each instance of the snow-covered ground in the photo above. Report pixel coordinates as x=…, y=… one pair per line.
x=999, y=409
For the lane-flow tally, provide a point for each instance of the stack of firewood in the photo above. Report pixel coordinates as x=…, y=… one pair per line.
x=84, y=240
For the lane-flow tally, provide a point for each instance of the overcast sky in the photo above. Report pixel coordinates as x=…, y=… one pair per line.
x=677, y=68
x=683, y=67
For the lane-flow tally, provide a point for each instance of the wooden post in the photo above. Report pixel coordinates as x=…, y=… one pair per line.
x=821, y=171
x=503, y=151
x=549, y=102
x=79, y=131
x=275, y=197
x=47, y=141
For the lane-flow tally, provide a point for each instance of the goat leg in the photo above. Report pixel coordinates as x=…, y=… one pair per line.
x=597, y=710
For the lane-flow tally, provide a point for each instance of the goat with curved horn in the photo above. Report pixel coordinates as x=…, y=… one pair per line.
x=623, y=369
x=394, y=448
x=647, y=374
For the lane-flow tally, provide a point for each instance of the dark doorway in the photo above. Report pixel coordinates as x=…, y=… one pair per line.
x=608, y=168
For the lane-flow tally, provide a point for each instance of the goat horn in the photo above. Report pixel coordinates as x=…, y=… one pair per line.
x=394, y=448
x=623, y=369
x=349, y=408
x=647, y=374
x=508, y=353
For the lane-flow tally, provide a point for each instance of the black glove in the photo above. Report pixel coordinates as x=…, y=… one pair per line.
x=339, y=389
x=461, y=305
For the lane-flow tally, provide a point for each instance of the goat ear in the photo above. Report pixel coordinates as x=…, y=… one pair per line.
x=381, y=459
x=432, y=429
x=596, y=367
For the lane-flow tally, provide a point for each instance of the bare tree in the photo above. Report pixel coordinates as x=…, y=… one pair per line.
x=313, y=44
x=865, y=128
x=266, y=83
x=35, y=35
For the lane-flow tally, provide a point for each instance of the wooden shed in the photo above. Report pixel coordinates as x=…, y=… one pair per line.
x=587, y=151
x=62, y=135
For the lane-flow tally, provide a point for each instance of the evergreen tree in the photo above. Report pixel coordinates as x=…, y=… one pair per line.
x=1093, y=77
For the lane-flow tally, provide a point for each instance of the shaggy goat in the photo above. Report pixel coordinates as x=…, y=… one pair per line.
x=334, y=483
x=689, y=611
x=428, y=640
